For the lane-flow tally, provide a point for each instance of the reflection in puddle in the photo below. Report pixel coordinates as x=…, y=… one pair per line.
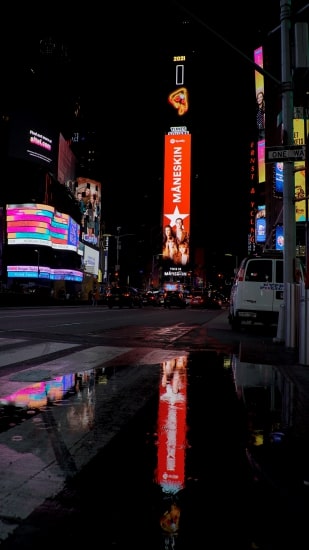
x=74, y=389
x=38, y=395
x=170, y=474
x=275, y=444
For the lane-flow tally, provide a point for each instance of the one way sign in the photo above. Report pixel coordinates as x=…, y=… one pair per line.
x=286, y=153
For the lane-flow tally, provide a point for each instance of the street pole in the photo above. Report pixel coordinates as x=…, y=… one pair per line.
x=289, y=224
x=152, y=270
x=118, y=238
x=117, y=266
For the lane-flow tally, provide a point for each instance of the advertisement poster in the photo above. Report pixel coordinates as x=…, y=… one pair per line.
x=176, y=207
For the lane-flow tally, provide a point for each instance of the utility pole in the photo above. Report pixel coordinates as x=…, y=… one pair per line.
x=289, y=224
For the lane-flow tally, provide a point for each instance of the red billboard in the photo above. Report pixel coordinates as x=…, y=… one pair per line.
x=176, y=203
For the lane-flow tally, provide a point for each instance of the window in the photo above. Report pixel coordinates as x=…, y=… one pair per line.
x=259, y=271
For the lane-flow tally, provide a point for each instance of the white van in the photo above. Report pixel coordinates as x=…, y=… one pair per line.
x=257, y=291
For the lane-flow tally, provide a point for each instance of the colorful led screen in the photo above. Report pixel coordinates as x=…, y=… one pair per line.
x=259, y=91
x=279, y=238
x=261, y=160
x=300, y=172
x=278, y=175
x=43, y=272
x=260, y=225
x=41, y=224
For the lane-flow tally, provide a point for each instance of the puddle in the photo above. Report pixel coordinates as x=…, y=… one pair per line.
x=186, y=436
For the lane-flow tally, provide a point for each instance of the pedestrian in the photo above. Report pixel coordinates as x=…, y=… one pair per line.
x=95, y=296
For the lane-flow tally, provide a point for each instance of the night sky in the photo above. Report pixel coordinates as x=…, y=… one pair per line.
x=118, y=57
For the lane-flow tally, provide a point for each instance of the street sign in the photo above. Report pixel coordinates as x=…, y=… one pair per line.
x=285, y=153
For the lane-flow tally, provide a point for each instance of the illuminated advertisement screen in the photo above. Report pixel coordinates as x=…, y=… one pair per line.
x=260, y=225
x=261, y=161
x=300, y=173
x=44, y=272
x=278, y=175
x=259, y=91
x=88, y=194
x=41, y=224
x=279, y=238
x=33, y=139
x=91, y=260
x=176, y=203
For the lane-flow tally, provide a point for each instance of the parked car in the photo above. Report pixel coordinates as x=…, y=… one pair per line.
x=174, y=298
x=124, y=296
x=160, y=297
x=206, y=299
x=151, y=298
x=197, y=298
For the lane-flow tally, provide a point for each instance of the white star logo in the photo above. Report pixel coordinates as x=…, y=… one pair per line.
x=173, y=217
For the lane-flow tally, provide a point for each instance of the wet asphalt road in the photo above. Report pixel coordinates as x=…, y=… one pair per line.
x=171, y=469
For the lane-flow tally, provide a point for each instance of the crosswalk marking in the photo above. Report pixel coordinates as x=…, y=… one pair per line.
x=24, y=353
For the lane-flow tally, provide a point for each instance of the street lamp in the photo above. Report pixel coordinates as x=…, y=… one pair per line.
x=118, y=245
x=38, y=253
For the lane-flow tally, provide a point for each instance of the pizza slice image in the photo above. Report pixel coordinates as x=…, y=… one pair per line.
x=180, y=100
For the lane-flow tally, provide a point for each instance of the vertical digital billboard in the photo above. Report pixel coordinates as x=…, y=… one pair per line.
x=260, y=225
x=261, y=160
x=259, y=91
x=88, y=194
x=176, y=207
x=300, y=172
x=177, y=177
x=260, y=113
